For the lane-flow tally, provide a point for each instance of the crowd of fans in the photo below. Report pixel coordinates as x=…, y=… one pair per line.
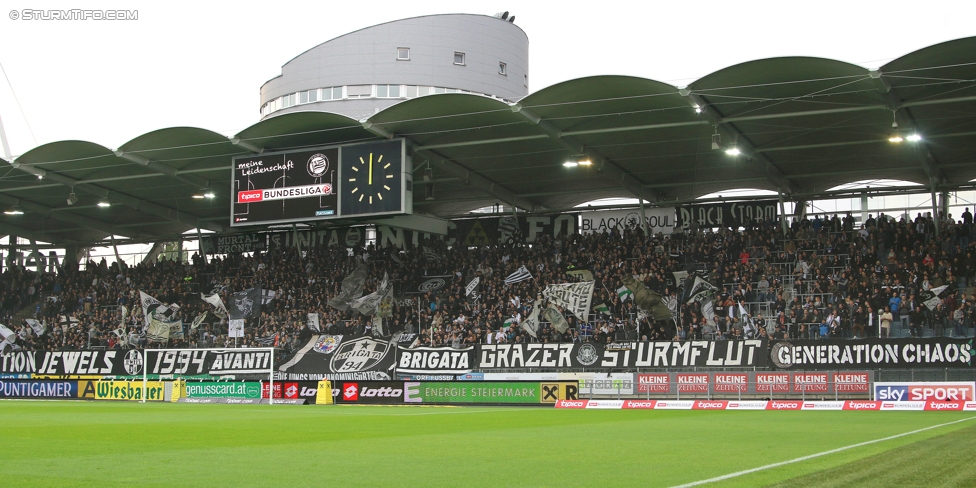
x=825, y=277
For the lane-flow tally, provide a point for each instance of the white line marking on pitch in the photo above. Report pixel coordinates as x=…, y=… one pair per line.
x=812, y=456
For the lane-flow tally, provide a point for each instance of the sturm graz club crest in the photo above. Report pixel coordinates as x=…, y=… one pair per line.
x=327, y=343
x=432, y=284
x=318, y=164
x=133, y=362
x=587, y=355
x=359, y=355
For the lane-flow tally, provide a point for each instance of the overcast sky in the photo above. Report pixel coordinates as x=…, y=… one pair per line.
x=201, y=63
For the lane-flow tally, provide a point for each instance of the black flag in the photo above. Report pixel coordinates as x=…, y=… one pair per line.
x=245, y=304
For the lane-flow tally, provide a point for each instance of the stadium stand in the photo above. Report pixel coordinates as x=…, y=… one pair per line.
x=823, y=279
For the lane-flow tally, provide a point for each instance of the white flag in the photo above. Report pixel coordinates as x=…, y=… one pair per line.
x=7, y=334
x=313, y=321
x=531, y=323
x=215, y=300
x=519, y=275
x=149, y=304
x=38, y=327
x=235, y=328
x=575, y=297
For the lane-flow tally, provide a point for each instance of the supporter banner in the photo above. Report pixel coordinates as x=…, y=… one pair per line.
x=438, y=360
x=227, y=389
x=659, y=220
x=341, y=237
x=460, y=392
x=184, y=362
x=751, y=353
x=369, y=392
x=574, y=297
x=872, y=353
x=956, y=391
x=509, y=229
x=38, y=389
x=234, y=243
x=332, y=357
x=727, y=214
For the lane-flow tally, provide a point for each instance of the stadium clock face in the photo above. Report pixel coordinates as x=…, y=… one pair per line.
x=371, y=178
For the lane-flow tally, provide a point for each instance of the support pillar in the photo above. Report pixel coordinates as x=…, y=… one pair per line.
x=643, y=218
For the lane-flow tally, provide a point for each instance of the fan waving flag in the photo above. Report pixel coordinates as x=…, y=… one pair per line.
x=519, y=275
x=933, y=297
x=575, y=297
x=624, y=293
x=246, y=304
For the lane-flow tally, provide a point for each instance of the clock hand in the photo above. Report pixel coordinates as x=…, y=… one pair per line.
x=370, y=168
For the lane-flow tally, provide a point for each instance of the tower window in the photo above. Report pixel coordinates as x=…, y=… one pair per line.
x=403, y=54
x=459, y=59
x=502, y=69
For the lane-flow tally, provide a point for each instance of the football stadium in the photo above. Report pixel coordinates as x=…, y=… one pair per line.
x=411, y=269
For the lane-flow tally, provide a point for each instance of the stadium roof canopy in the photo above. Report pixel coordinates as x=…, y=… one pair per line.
x=802, y=125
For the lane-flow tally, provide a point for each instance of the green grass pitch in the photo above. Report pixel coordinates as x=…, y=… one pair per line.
x=107, y=444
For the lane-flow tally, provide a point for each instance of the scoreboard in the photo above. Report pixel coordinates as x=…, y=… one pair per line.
x=322, y=183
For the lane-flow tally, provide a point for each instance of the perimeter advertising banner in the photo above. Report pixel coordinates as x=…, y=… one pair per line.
x=224, y=389
x=121, y=390
x=488, y=392
x=38, y=389
x=795, y=384
x=940, y=352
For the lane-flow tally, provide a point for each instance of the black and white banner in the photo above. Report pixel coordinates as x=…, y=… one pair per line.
x=728, y=214
x=659, y=220
x=338, y=357
x=872, y=353
x=438, y=360
x=751, y=353
x=427, y=284
x=574, y=297
x=518, y=276
x=185, y=362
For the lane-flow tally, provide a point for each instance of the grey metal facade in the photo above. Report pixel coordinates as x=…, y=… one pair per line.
x=369, y=57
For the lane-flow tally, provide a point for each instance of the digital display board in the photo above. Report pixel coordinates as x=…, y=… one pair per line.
x=320, y=183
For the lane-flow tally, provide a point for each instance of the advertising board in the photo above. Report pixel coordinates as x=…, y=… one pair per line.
x=38, y=389
x=489, y=392
x=223, y=389
x=121, y=390
x=956, y=391
x=369, y=392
